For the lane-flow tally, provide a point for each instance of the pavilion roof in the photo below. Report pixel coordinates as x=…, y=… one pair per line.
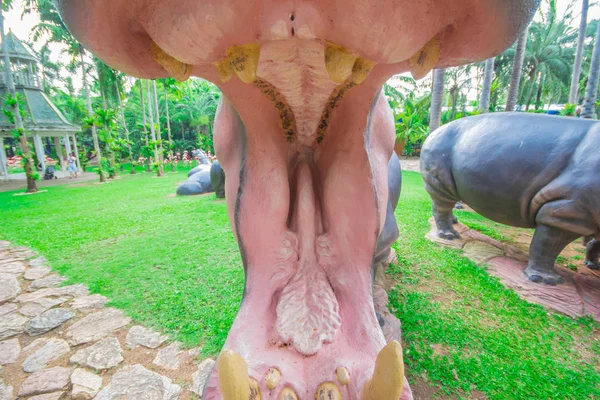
x=41, y=115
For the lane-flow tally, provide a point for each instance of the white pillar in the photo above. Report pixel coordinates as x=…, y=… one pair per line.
x=3, y=167
x=68, y=147
x=77, y=154
x=59, y=154
x=39, y=150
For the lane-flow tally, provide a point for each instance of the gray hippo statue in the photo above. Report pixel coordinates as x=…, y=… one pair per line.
x=196, y=183
x=523, y=170
x=217, y=179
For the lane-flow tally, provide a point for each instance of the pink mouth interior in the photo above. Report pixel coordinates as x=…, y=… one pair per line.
x=306, y=206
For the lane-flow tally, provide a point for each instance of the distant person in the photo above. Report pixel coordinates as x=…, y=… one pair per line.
x=72, y=167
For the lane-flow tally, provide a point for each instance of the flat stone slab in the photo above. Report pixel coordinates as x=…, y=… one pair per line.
x=16, y=267
x=36, y=272
x=136, y=382
x=9, y=287
x=85, y=384
x=6, y=392
x=48, y=320
x=104, y=354
x=199, y=378
x=96, y=326
x=481, y=252
x=48, y=282
x=38, y=262
x=170, y=357
x=71, y=290
x=11, y=325
x=36, y=307
x=46, y=381
x=52, y=350
x=139, y=335
x=9, y=351
x=91, y=301
x=7, y=308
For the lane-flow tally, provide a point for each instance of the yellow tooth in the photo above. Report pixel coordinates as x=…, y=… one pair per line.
x=272, y=378
x=288, y=394
x=343, y=375
x=425, y=59
x=224, y=70
x=388, y=377
x=328, y=391
x=254, y=390
x=361, y=70
x=177, y=69
x=244, y=61
x=233, y=376
x=338, y=62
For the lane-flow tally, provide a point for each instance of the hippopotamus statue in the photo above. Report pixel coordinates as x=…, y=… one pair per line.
x=197, y=183
x=304, y=136
x=524, y=170
x=217, y=179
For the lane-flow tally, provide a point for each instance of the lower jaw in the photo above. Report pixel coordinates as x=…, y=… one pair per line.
x=342, y=368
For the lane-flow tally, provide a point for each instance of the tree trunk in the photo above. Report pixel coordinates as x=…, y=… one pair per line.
x=437, y=95
x=574, y=92
x=158, y=136
x=538, y=97
x=169, y=130
x=148, y=167
x=90, y=114
x=15, y=109
x=589, y=102
x=152, y=131
x=488, y=76
x=517, y=70
x=532, y=76
x=124, y=126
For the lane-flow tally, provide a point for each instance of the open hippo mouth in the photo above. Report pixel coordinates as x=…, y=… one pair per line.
x=304, y=137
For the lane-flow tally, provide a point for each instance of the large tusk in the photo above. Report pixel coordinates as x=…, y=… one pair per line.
x=388, y=378
x=361, y=70
x=338, y=62
x=175, y=68
x=233, y=376
x=244, y=61
x=425, y=59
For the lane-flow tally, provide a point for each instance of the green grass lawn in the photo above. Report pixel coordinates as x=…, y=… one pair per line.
x=172, y=263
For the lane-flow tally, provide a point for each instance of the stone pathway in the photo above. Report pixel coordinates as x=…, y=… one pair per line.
x=60, y=342
x=577, y=297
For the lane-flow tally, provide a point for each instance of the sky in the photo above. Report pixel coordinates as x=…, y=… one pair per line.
x=22, y=27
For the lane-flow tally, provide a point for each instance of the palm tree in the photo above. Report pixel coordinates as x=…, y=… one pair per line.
x=488, y=75
x=549, y=50
x=437, y=95
x=591, y=93
x=517, y=69
x=125, y=126
x=161, y=170
x=145, y=122
x=152, y=131
x=165, y=85
x=574, y=92
x=16, y=110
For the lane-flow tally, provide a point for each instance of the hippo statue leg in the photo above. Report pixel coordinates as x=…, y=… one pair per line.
x=592, y=254
x=444, y=219
x=546, y=245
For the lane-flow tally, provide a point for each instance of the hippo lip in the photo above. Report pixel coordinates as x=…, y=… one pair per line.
x=304, y=137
